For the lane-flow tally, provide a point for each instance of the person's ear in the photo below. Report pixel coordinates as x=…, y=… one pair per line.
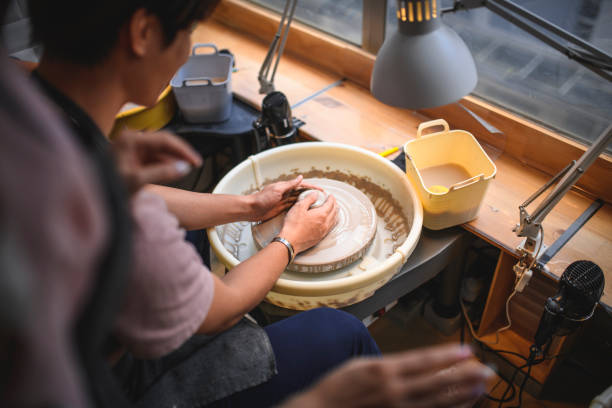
x=142, y=32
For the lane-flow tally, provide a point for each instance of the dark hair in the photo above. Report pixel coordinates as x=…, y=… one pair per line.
x=85, y=31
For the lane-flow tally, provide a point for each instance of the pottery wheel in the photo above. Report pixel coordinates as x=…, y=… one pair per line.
x=344, y=244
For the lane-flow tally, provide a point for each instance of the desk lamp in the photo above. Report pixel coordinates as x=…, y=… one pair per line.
x=425, y=64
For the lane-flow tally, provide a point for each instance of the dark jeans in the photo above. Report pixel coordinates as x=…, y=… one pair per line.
x=306, y=346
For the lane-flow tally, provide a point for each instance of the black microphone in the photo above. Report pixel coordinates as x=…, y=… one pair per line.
x=276, y=119
x=276, y=111
x=581, y=287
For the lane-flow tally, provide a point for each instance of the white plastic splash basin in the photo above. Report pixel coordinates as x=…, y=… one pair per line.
x=399, y=220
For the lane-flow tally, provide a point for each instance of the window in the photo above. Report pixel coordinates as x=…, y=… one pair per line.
x=524, y=75
x=516, y=71
x=342, y=18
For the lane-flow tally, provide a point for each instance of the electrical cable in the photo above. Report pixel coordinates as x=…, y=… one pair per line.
x=510, y=384
x=514, y=291
x=484, y=344
x=533, y=351
x=494, y=387
x=530, y=361
x=469, y=322
x=520, y=394
x=508, y=319
x=501, y=400
x=510, y=387
x=523, y=357
x=530, y=364
x=514, y=353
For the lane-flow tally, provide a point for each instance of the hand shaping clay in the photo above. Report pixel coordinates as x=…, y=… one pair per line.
x=344, y=244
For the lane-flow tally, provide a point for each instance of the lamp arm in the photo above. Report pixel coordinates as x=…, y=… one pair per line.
x=284, y=37
x=553, y=28
x=588, y=56
x=549, y=183
x=572, y=176
x=276, y=49
x=529, y=226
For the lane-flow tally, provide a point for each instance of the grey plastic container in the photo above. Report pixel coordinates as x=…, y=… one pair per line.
x=202, y=86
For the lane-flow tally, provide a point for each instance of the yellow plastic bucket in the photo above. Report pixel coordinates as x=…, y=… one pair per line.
x=450, y=172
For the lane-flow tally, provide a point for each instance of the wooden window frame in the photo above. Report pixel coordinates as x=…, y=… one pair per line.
x=532, y=144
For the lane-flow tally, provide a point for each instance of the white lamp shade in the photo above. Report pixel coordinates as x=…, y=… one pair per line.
x=423, y=70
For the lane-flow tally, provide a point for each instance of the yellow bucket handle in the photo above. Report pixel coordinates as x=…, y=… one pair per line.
x=431, y=123
x=467, y=182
